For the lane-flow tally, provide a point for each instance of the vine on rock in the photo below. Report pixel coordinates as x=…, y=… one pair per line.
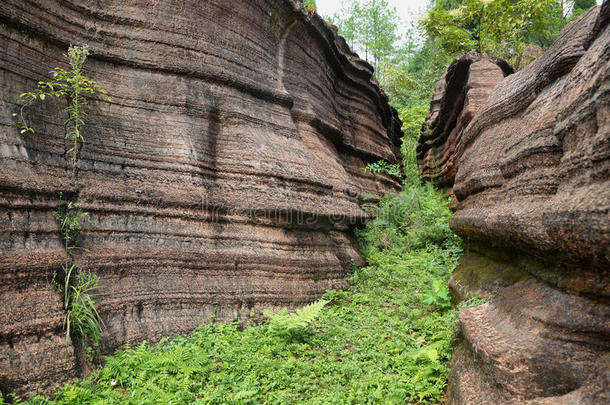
x=76, y=284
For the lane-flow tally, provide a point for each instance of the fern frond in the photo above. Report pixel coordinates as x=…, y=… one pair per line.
x=285, y=323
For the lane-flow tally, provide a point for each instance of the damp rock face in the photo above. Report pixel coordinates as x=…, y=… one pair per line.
x=225, y=175
x=530, y=173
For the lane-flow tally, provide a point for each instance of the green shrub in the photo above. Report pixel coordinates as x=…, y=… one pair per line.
x=415, y=218
x=383, y=167
x=69, y=217
x=412, y=118
x=438, y=295
x=76, y=89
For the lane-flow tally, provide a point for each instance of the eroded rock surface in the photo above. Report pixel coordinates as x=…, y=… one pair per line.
x=457, y=96
x=532, y=188
x=226, y=173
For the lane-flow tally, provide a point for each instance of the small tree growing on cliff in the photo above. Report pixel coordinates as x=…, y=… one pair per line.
x=76, y=89
x=75, y=284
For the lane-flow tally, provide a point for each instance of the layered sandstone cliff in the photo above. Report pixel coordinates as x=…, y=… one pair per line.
x=457, y=96
x=531, y=177
x=225, y=174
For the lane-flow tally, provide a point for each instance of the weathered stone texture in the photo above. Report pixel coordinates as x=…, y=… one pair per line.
x=225, y=174
x=457, y=96
x=532, y=202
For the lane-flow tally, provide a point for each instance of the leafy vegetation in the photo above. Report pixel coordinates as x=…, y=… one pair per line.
x=75, y=88
x=387, y=339
x=503, y=28
x=82, y=317
x=294, y=325
x=384, y=167
x=578, y=6
x=495, y=27
x=407, y=67
x=76, y=285
x=369, y=26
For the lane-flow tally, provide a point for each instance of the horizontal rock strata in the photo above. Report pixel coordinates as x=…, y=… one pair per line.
x=457, y=96
x=225, y=175
x=532, y=188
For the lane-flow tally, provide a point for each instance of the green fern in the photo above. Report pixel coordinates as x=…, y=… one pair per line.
x=284, y=323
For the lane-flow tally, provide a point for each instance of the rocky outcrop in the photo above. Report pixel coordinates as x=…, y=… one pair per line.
x=457, y=96
x=532, y=202
x=225, y=175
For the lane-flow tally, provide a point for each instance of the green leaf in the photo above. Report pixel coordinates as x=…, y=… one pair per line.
x=432, y=354
x=284, y=323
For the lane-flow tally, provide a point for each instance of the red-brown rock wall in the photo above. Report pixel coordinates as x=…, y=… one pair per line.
x=225, y=175
x=458, y=95
x=532, y=204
